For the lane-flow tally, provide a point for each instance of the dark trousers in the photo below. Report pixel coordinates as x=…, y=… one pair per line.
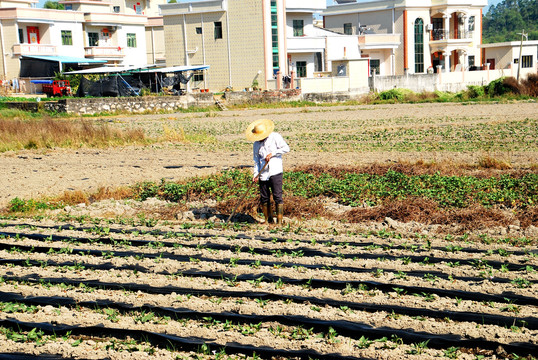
x=274, y=186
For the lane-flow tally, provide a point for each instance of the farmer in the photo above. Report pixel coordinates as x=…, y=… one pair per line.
x=268, y=149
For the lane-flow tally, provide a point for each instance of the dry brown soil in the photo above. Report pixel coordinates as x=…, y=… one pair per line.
x=367, y=291
x=31, y=174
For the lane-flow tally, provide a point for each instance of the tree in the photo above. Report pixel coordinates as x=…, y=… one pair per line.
x=49, y=4
x=504, y=20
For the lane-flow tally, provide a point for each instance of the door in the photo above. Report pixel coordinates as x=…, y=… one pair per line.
x=33, y=34
x=491, y=63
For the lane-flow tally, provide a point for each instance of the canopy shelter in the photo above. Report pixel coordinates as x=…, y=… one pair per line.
x=137, y=77
x=109, y=70
x=34, y=66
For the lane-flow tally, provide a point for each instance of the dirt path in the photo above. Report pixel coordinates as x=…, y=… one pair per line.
x=30, y=174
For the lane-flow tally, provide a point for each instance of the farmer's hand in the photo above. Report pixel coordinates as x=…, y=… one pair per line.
x=268, y=157
x=255, y=178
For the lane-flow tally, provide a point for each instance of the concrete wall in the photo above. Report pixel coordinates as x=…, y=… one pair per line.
x=244, y=33
x=450, y=82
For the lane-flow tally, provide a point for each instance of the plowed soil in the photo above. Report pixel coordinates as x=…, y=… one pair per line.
x=88, y=288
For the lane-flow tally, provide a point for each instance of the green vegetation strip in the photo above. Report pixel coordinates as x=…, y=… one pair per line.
x=355, y=189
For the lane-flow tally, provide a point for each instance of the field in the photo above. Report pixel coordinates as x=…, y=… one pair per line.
x=411, y=232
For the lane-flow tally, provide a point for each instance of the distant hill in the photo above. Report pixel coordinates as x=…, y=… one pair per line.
x=503, y=21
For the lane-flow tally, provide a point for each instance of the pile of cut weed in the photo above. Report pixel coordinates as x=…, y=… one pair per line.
x=428, y=212
x=49, y=133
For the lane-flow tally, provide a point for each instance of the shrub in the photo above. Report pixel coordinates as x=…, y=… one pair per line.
x=497, y=88
x=474, y=91
x=530, y=85
x=394, y=94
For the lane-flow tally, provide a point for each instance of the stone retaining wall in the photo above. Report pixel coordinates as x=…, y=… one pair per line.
x=268, y=96
x=152, y=104
x=133, y=104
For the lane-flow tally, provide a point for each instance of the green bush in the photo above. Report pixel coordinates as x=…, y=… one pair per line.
x=474, y=91
x=394, y=94
x=497, y=88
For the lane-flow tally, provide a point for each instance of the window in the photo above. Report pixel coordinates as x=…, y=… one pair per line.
x=348, y=29
x=67, y=37
x=116, y=9
x=275, y=61
x=375, y=66
x=68, y=7
x=471, y=23
x=318, y=63
x=199, y=30
x=274, y=37
x=298, y=27
x=198, y=77
x=438, y=32
x=21, y=36
x=419, y=46
x=301, y=68
x=218, y=30
x=471, y=60
x=93, y=39
x=526, y=61
x=131, y=40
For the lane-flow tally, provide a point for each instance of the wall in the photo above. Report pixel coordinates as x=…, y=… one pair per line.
x=450, y=82
x=77, y=36
x=129, y=104
x=10, y=37
x=253, y=97
x=133, y=55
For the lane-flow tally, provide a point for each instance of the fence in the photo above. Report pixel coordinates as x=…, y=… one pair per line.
x=450, y=82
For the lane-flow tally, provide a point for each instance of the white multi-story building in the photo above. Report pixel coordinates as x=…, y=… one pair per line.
x=434, y=34
x=87, y=31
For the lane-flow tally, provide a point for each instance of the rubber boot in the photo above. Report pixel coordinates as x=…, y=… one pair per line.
x=270, y=213
x=267, y=213
x=279, y=213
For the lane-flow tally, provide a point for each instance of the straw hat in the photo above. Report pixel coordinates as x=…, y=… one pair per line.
x=259, y=129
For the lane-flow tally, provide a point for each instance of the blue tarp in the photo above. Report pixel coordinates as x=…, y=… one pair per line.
x=65, y=59
x=41, y=81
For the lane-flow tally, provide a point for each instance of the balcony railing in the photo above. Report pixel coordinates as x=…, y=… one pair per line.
x=440, y=34
x=104, y=51
x=34, y=49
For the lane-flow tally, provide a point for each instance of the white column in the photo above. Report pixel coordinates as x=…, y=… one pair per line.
x=446, y=28
x=465, y=27
x=393, y=62
x=446, y=54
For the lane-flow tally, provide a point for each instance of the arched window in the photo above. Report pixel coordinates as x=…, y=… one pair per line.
x=419, y=46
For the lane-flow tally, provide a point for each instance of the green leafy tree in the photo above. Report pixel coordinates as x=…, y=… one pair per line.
x=504, y=20
x=53, y=5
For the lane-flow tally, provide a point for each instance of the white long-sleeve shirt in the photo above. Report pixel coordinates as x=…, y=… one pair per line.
x=274, y=144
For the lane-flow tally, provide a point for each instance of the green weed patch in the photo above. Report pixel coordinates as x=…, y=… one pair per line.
x=355, y=189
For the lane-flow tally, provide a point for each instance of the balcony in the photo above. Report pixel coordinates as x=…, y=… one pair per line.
x=113, y=19
x=440, y=34
x=379, y=41
x=104, y=52
x=34, y=49
x=194, y=7
x=306, y=44
x=310, y=6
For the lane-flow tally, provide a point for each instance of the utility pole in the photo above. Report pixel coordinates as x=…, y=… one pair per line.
x=520, y=51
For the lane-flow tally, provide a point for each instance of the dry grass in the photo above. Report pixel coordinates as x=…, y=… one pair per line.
x=488, y=162
x=428, y=212
x=486, y=167
x=49, y=133
x=103, y=193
